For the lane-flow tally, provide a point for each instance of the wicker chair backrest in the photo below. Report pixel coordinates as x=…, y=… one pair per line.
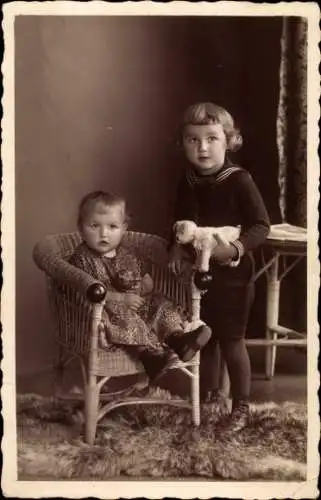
x=67, y=285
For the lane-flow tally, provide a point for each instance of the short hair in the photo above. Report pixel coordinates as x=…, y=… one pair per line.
x=207, y=113
x=90, y=201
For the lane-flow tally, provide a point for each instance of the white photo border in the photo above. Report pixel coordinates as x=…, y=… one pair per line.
x=155, y=489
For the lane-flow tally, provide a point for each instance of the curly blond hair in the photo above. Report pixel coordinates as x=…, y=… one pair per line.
x=207, y=113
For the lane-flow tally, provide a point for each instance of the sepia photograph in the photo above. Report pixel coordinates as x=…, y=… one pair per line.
x=160, y=249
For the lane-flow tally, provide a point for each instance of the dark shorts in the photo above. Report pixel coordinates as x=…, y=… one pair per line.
x=226, y=305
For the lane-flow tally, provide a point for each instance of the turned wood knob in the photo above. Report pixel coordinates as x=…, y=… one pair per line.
x=96, y=293
x=202, y=280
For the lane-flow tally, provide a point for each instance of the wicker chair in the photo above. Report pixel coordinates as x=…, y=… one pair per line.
x=77, y=302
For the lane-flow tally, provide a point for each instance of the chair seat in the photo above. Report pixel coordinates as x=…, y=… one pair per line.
x=115, y=363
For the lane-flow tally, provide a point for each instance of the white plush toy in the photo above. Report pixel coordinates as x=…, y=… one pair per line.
x=203, y=239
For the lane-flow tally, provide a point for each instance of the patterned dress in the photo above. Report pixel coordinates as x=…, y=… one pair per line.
x=148, y=326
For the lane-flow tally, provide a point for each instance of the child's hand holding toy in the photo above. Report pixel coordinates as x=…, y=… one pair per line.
x=224, y=252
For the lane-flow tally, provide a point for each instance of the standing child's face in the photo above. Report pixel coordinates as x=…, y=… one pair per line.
x=103, y=228
x=205, y=146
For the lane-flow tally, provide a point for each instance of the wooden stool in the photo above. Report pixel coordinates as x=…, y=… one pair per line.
x=283, y=241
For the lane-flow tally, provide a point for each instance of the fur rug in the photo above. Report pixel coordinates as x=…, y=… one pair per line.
x=160, y=442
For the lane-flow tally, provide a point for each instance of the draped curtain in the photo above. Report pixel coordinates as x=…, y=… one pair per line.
x=292, y=148
x=292, y=122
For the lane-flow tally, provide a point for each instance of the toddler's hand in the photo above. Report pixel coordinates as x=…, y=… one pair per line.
x=147, y=285
x=224, y=252
x=133, y=301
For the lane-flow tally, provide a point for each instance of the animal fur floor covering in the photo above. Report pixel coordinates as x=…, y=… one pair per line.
x=160, y=442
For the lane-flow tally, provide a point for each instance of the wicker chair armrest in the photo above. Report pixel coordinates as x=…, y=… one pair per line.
x=60, y=270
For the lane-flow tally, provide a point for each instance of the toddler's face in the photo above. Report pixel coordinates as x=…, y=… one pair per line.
x=103, y=228
x=205, y=146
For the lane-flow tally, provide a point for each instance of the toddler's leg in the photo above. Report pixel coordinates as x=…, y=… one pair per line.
x=155, y=361
x=126, y=327
x=185, y=344
x=169, y=325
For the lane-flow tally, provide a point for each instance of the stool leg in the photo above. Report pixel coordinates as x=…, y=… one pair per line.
x=273, y=356
x=272, y=318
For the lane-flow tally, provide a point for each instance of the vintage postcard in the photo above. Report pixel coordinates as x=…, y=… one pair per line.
x=160, y=249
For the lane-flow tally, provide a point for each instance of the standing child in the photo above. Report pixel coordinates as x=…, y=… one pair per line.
x=214, y=192
x=141, y=322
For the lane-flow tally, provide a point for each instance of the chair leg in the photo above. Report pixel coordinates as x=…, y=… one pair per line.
x=195, y=394
x=91, y=409
x=59, y=372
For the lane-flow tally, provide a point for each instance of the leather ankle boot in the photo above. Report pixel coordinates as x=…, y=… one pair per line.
x=238, y=419
x=186, y=345
x=156, y=364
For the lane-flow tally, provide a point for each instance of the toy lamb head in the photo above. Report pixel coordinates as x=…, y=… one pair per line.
x=203, y=239
x=184, y=231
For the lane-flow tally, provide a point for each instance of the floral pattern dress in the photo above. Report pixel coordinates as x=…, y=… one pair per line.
x=152, y=322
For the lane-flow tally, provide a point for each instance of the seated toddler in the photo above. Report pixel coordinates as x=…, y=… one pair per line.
x=143, y=323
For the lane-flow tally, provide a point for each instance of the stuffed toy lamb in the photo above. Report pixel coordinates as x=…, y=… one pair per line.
x=203, y=239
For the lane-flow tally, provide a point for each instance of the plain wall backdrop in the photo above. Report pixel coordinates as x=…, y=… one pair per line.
x=97, y=103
